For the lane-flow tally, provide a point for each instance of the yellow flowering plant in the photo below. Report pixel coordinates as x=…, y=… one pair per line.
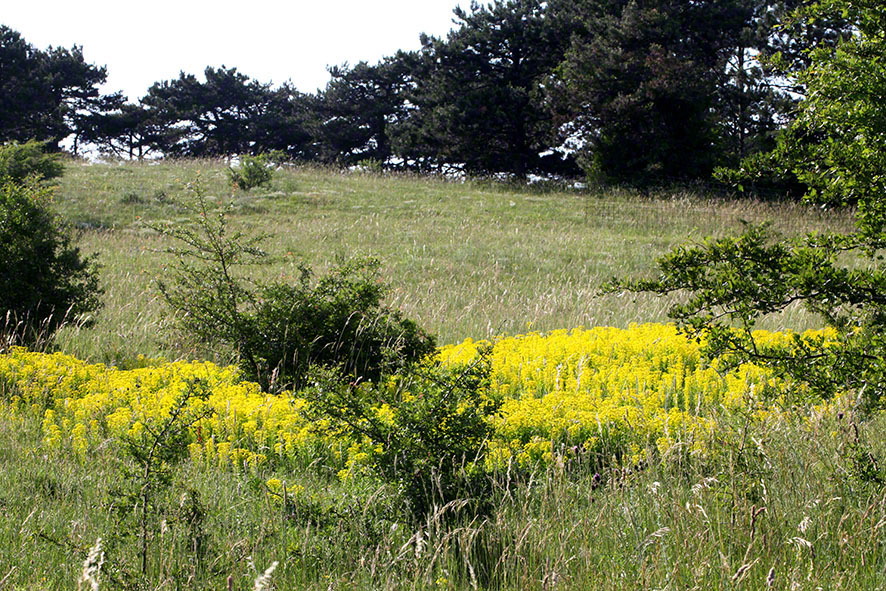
x=424, y=429
x=586, y=394
x=595, y=392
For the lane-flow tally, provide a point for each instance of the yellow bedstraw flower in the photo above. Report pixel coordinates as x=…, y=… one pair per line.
x=78, y=440
x=607, y=389
x=604, y=391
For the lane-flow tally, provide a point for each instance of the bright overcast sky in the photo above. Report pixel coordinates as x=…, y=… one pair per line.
x=269, y=41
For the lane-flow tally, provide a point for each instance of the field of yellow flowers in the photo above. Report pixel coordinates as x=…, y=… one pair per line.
x=620, y=392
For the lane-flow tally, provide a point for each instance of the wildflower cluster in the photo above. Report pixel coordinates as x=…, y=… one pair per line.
x=603, y=393
x=85, y=404
x=607, y=392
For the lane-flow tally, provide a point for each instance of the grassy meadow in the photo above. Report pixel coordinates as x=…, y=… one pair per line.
x=464, y=259
x=622, y=460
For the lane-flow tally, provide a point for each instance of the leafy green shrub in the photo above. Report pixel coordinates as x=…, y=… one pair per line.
x=18, y=162
x=833, y=146
x=431, y=442
x=253, y=171
x=337, y=321
x=370, y=165
x=43, y=279
x=277, y=329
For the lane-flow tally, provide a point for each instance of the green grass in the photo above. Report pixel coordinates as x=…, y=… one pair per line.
x=781, y=496
x=464, y=259
x=784, y=496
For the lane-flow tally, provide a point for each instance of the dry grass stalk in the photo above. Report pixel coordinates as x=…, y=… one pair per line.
x=92, y=567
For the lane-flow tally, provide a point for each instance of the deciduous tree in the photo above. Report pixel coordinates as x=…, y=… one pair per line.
x=728, y=284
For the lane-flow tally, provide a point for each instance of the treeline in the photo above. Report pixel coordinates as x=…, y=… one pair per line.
x=625, y=91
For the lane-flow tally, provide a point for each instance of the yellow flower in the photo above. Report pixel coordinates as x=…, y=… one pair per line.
x=604, y=391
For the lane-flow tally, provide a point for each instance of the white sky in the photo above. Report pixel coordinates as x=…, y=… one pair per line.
x=269, y=41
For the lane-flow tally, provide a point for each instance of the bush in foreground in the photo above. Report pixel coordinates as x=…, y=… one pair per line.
x=426, y=430
x=278, y=330
x=44, y=280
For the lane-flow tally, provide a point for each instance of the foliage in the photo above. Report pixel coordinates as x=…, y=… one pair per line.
x=584, y=396
x=425, y=429
x=253, y=171
x=155, y=444
x=640, y=87
x=358, y=108
x=686, y=522
x=517, y=87
x=279, y=329
x=478, y=94
x=44, y=280
x=20, y=162
x=834, y=147
x=46, y=95
x=734, y=282
x=749, y=106
x=766, y=86
x=337, y=321
x=212, y=300
x=600, y=409
x=226, y=114
x=861, y=464
x=664, y=91
x=239, y=426
x=132, y=131
x=602, y=401
x=605, y=394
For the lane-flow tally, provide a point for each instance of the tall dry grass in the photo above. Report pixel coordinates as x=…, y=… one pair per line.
x=464, y=259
